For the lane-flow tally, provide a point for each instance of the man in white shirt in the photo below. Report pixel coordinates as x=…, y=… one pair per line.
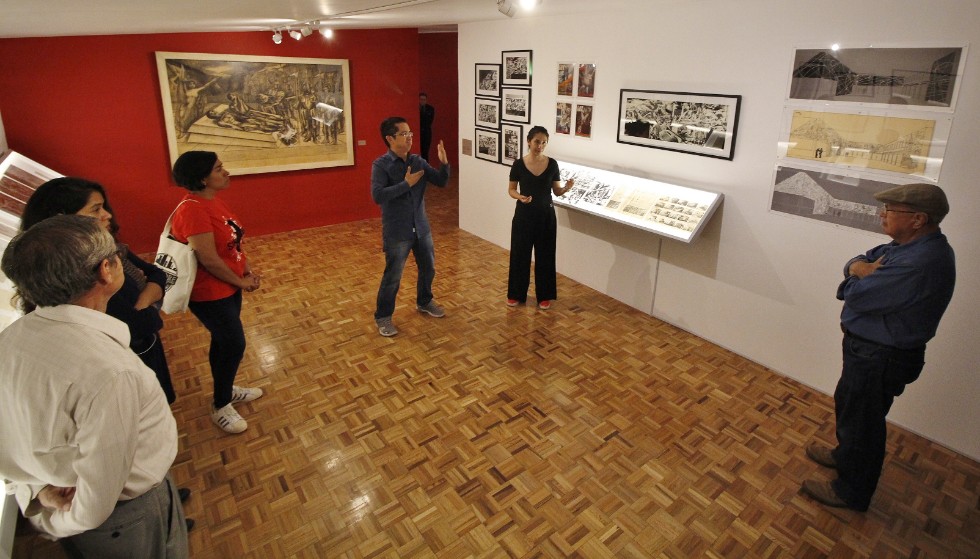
x=88, y=437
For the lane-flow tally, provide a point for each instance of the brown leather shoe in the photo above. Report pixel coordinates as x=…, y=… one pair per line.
x=821, y=455
x=823, y=492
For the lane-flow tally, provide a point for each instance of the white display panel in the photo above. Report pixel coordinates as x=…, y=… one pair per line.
x=670, y=210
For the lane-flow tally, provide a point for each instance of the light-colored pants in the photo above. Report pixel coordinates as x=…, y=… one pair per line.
x=150, y=526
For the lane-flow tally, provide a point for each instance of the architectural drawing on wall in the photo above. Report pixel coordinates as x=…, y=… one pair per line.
x=670, y=210
x=906, y=77
x=832, y=198
x=909, y=146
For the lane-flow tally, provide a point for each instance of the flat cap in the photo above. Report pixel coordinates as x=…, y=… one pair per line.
x=923, y=197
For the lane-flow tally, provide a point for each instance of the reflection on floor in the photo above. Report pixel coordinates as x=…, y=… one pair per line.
x=589, y=430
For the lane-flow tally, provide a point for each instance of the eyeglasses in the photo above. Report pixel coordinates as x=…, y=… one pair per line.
x=119, y=252
x=404, y=134
x=885, y=209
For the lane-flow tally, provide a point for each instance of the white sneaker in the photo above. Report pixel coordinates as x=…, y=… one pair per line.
x=228, y=419
x=241, y=395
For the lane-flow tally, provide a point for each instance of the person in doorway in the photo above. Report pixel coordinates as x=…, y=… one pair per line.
x=427, y=113
x=88, y=437
x=216, y=234
x=398, y=183
x=533, y=179
x=894, y=296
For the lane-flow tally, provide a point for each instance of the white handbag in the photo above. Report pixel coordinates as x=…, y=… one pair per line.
x=178, y=261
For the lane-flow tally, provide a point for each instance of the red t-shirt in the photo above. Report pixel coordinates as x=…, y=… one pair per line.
x=201, y=215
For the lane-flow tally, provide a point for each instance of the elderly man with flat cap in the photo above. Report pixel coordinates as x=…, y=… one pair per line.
x=894, y=296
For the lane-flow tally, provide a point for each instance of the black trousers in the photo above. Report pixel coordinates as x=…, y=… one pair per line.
x=533, y=230
x=223, y=319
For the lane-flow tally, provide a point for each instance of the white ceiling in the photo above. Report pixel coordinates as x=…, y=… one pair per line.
x=37, y=18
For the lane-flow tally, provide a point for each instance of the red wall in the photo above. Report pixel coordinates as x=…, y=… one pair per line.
x=439, y=80
x=91, y=107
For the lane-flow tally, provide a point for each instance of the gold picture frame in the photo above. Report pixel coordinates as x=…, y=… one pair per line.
x=261, y=114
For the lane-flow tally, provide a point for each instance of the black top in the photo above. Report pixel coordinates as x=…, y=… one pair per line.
x=538, y=187
x=427, y=113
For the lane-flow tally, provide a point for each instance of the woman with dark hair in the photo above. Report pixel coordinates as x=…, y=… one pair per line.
x=534, y=227
x=204, y=222
x=136, y=303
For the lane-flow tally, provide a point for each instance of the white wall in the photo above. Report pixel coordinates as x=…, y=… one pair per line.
x=757, y=282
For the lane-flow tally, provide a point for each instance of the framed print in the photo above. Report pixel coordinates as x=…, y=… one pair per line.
x=566, y=78
x=488, y=80
x=585, y=83
x=563, y=118
x=583, y=120
x=696, y=123
x=516, y=104
x=924, y=78
x=488, y=145
x=512, y=143
x=260, y=114
x=487, y=112
x=517, y=67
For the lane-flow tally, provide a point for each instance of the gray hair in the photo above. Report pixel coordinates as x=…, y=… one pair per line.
x=55, y=262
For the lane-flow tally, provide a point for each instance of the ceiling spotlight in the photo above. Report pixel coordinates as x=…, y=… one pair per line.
x=306, y=30
x=295, y=34
x=276, y=37
x=506, y=7
x=326, y=32
x=529, y=4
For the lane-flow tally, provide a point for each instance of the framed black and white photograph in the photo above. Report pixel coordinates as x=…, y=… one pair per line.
x=922, y=78
x=488, y=80
x=487, y=145
x=583, y=120
x=697, y=123
x=487, y=112
x=512, y=143
x=566, y=78
x=585, y=82
x=563, y=118
x=516, y=104
x=517, y=67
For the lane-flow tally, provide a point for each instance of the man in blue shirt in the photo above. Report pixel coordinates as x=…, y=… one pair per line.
x=894, y=296
x=398, y=182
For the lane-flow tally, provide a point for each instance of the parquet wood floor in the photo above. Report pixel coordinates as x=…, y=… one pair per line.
x=591, y=430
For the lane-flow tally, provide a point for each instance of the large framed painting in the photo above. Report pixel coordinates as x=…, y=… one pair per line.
x=899, y=77
x=516, y=105
x=260, y=114
x=517, y=67
x=696, y=123
x=488, y=80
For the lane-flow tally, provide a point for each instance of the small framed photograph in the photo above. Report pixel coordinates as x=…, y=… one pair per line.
x=566, y=78
x=583, y=120
x=488, y=80
x=512, y=143
x=517, y=67
x=563, y=118
x=516, y=104
x=488, y=145
x=487, y=112
x=585, y=84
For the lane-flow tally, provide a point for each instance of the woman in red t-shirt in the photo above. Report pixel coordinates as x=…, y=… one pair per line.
x=215, y=233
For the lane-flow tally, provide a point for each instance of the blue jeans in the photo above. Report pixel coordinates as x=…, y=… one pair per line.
x=396, y=254
x=873, y=375
x=223, y=319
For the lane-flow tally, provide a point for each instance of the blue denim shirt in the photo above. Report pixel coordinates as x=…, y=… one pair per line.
x=403, y=207
x=901, y=302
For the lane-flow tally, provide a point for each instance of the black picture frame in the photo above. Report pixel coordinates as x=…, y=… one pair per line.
x=487, y=79
x=486, y=145
x=515, y=104
x=486, y=113
x=517, y=67
x=697, y=123
x=510, y=150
